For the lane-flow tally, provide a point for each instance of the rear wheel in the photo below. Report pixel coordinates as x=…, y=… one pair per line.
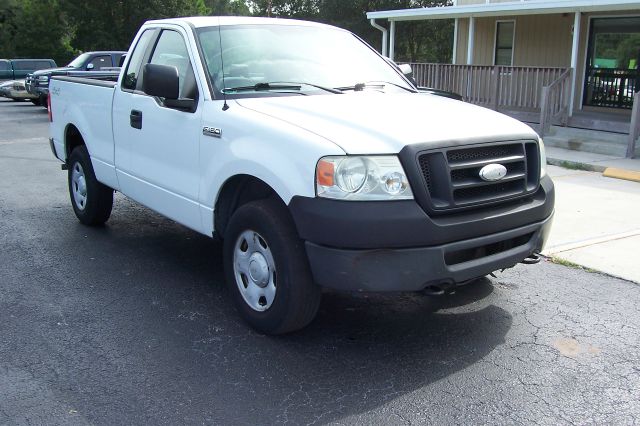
x=92, y=201
x=266, y=269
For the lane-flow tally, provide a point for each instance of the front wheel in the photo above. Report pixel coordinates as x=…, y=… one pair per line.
x=266, y=269
x=92, y=201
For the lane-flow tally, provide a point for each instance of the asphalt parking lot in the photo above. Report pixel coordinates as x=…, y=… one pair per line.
x=130, y=324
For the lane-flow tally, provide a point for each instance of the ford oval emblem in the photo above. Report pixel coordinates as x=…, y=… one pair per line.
x=493, y=172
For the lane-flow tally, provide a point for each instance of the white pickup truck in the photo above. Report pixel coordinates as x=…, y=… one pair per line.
x=313, y=157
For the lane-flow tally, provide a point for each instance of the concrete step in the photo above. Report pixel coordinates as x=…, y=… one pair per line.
x=607, y=143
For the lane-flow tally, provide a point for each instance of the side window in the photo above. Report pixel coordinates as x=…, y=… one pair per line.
x=172, y=51
x=99, y=62
x=41, y=65
x=130, y=79
x=4, y=65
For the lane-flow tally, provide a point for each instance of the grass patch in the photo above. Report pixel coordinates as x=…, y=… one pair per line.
x=571, y=264
x=572, y=165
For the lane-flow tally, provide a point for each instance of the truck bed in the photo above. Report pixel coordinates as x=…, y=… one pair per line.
x=84, y=105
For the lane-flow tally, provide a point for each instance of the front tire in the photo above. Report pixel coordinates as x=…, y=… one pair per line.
x=266, y=269
x=92, y=201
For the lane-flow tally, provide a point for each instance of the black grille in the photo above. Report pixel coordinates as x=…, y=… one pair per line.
x=452, y=175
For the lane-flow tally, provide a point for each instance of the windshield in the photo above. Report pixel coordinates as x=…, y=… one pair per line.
x=77, y=62
x=318, y=59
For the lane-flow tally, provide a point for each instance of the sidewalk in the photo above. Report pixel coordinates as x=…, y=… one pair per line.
x=621, y=168
x=597, y=219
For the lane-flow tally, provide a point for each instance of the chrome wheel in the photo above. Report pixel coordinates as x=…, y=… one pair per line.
x=254, y=270
x=79, y=186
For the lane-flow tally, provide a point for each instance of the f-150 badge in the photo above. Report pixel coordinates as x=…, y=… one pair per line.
x=212, y=131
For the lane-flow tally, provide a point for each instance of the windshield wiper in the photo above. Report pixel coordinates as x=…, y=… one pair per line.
x=279, y=85
x=358, y=87
x=263, y=86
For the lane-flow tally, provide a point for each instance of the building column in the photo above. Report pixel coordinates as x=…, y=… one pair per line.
x=472, y=36
x=392, y=39
x=455, y=42
x=574, y=60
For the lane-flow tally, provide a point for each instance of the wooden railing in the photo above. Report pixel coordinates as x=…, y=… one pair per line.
x=497, y=87
x=634, y=130
x=554, y=102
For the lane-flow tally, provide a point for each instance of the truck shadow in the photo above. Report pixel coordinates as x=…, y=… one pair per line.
x=176, y=332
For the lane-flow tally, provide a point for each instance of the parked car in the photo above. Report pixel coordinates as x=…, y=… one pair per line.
x=107, y=63
x=316, y=162
x=16, y=69
x=15, y=90
x=4, y=87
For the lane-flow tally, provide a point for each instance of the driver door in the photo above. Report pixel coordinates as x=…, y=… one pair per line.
x=156, y=146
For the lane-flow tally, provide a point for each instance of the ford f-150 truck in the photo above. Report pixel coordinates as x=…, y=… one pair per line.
x=315, y=160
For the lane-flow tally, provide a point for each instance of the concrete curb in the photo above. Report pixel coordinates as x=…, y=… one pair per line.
x=576, y=165
x=613, y=172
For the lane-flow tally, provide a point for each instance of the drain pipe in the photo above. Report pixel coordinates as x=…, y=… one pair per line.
x=384, y=35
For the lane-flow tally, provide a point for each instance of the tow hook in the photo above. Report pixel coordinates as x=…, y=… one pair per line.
x=532, y=259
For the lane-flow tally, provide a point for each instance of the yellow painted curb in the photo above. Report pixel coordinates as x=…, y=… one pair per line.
x=612, y=172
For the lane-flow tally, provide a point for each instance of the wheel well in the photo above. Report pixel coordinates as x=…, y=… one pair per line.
x=236, y=191
x=72, y=139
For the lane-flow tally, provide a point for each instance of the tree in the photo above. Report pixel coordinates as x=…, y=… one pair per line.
x=35, y=28
x=227, y=7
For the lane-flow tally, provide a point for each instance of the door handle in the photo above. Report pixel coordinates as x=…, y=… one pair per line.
x=135, y=119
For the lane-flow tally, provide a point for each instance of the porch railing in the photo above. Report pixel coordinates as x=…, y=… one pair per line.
x=497, y=87
x=554, y=102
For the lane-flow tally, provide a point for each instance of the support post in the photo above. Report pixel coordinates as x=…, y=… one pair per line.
x=392, y=39
x=634, y=126
x=472, y=36
x=574, y=59
x=455, y=42
x=544, y=111
x=495, y=101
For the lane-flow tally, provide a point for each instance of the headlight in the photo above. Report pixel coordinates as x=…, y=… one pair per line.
x=362, y=178
x=43, y=79
x=543, y=158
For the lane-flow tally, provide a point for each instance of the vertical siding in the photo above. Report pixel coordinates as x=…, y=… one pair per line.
x=463, y=34
x=543, y=40
x=485, y=38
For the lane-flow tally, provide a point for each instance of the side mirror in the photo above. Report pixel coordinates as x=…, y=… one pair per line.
x=90, y=67
x=161, y=81
x=405, y=69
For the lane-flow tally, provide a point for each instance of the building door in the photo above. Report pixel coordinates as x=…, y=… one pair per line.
x=613, y=62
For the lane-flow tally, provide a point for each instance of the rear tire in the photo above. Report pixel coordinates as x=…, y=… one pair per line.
x=266, y=269
x=92, y=201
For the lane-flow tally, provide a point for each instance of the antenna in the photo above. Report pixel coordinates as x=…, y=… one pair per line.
x=224, y=95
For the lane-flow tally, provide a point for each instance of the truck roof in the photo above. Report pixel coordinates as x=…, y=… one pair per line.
x=208, y=21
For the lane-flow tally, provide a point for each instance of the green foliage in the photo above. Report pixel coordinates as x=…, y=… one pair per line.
x=62, y=28
x=34, y=28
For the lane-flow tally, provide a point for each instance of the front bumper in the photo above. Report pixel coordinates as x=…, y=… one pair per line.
x=414, y=269
x=396, y=246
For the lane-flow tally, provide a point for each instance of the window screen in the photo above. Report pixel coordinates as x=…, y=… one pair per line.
x=504, y=43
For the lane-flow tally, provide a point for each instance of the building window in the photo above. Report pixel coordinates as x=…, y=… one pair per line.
x=505, y=31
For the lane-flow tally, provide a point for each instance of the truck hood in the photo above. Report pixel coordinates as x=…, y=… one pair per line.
x=382, y=123
x=48, y=71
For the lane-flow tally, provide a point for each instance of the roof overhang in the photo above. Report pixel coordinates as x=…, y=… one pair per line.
x=529, y=7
